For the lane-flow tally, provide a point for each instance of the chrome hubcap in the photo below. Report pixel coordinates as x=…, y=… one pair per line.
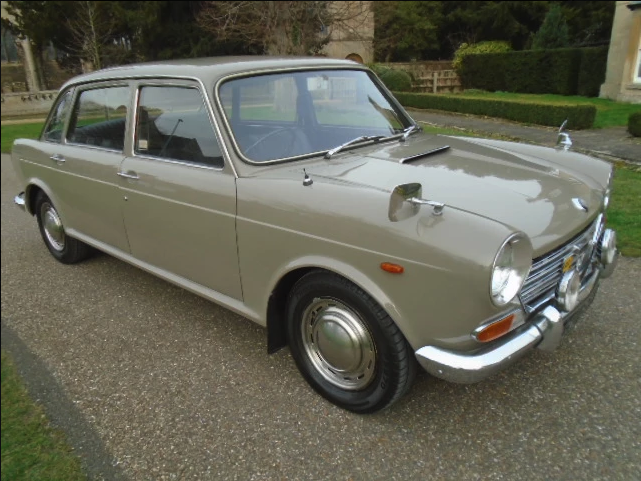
x=338, y=344
x=52, y=226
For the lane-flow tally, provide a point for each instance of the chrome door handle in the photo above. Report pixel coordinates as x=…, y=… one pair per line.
x=57, y=158
x=126, y=175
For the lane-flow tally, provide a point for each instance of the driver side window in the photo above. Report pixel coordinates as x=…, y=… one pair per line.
x=172, y=123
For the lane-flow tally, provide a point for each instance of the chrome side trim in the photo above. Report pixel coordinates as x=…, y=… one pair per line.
x=20, y=202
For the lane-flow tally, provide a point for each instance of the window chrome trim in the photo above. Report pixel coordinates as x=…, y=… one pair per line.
x=95, y=147
x=65, y=124
x=178, y=162
x=148, y=81
x=267, y=71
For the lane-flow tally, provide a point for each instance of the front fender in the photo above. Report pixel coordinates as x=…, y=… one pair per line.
x=440, y=298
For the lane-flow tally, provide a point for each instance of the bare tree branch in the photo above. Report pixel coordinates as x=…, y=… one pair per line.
x=284, y=27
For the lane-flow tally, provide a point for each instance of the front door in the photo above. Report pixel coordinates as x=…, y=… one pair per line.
x=180, y=207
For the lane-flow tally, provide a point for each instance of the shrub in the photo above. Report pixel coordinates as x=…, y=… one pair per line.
x=634, y=124
x=579, y=116
x=394, y=79
x=528, y=71
x=478, y=48
x=594, y=61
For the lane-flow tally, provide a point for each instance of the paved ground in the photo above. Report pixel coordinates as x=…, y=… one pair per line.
x=152, y=382
x=611, y=142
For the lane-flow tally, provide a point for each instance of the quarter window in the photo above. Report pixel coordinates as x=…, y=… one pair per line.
x=53, y=132
x=99, y=118
x=173, y=124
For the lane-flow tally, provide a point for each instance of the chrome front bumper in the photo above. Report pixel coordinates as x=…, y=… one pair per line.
x=543, y=332
x=19, y=201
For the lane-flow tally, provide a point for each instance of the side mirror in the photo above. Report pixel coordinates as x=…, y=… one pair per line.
x=406, y=200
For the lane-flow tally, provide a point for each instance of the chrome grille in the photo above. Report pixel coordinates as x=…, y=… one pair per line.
x=545, y=275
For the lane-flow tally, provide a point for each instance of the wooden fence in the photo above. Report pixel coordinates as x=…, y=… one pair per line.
x=431, y=76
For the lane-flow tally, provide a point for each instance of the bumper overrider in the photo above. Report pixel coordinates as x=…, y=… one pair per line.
x=544, y=331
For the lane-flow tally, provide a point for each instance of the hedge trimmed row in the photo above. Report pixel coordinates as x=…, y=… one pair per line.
x=579, y=116
x=564, y=71
x=634, y=124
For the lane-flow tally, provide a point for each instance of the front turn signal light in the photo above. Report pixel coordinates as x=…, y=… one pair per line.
x=495, y=330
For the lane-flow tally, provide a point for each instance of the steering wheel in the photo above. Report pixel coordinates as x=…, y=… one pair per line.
x=280, y=148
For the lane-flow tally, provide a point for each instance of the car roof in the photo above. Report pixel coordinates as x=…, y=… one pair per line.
x=209, y=69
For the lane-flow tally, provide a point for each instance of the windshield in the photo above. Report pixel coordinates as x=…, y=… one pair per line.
x=278, y=116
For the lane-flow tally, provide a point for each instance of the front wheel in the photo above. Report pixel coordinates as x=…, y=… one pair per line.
x=345, y=345
x=64, y=248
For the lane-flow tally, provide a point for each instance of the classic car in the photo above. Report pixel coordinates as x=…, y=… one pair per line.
x=300, y=194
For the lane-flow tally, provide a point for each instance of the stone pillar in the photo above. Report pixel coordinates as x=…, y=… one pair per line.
x=30, y=66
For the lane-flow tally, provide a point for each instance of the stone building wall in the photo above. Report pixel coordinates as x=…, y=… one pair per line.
x=623, y=79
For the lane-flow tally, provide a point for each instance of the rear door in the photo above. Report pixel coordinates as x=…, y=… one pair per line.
x=80, y=152
x=180, y=209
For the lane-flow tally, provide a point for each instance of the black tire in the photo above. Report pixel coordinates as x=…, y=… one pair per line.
x=64, y=248
x=394, y=365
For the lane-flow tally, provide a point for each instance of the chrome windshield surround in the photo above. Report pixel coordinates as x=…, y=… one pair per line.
x=268, y=71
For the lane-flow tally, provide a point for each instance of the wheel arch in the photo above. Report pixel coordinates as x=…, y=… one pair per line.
x=31, y=193
x=277, y=302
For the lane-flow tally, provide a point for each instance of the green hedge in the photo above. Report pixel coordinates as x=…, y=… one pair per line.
x=579, y=116
x=594, y=62
x=564, y=71
x=634, y=124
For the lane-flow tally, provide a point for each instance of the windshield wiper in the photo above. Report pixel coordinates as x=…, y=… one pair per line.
x=362, y=138
x=408, y=131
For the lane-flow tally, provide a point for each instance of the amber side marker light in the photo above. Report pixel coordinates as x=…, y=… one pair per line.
x=392, y=268
x=495, y=330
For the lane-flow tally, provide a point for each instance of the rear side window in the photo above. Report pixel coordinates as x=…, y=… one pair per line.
x=53, y=132
x=99, y=117
x=173, y=124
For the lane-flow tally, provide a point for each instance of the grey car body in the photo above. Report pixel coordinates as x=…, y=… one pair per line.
x=459, y=253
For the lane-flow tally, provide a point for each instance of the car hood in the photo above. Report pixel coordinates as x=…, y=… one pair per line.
x=528, y=188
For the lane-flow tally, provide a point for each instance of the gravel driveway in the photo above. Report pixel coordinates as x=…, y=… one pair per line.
x=165, y=385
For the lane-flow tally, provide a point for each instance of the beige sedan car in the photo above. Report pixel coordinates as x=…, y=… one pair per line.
x=301, y=195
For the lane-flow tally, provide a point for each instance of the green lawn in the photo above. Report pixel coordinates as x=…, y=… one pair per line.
x=608, y=112
x=18, y=131
x=31, y=449
x=624, y=214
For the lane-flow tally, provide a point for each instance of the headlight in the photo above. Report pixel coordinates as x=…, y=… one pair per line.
x=510, y=269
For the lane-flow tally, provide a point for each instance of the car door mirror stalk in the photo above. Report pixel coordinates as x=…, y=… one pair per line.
x=411, y=194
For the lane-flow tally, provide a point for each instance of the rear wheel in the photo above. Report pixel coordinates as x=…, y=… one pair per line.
x=64, y=248
x=345, y=345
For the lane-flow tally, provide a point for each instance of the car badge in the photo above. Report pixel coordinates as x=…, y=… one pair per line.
x=567, y=263
x=580, y=204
